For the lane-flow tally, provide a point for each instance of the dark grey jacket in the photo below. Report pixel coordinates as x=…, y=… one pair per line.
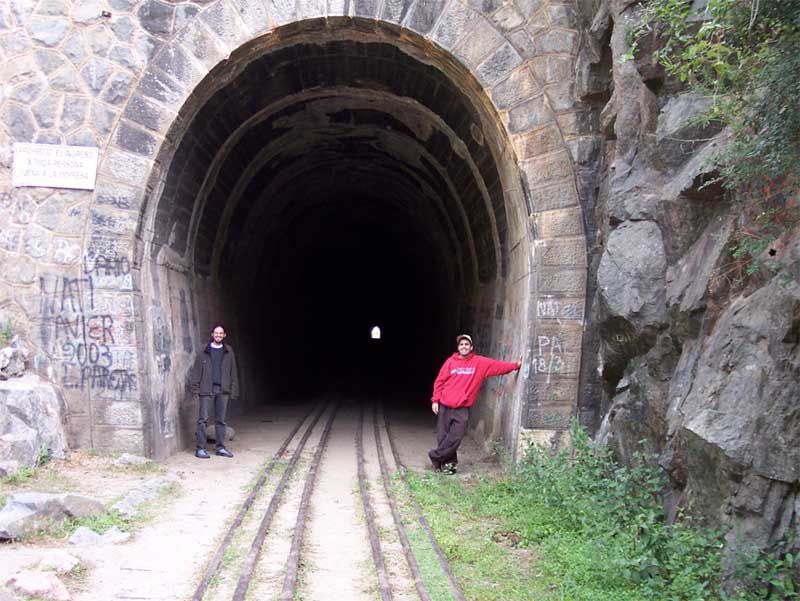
x=200, y=376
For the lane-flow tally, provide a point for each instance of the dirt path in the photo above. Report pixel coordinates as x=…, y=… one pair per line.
x=167, y=556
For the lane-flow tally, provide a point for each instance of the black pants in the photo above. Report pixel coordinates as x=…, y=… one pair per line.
x=451, y=426
x=220, y=403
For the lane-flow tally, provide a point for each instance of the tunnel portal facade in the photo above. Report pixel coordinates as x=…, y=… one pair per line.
x=299, y=172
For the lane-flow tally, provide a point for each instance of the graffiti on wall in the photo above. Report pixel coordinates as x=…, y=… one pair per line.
x=86, y=340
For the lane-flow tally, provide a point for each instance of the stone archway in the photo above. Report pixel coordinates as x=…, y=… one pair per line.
x=518, y=231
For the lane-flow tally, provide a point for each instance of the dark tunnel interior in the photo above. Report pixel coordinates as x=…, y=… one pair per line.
x=327, y=188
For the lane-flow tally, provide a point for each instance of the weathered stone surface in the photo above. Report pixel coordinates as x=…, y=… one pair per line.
x=73, y=113
x=58, y=561
x=25, y=513
x=99, y=39
x=48, y=31
x=87, y=11
x=39, y=585
x=66, y=79
x=124, y=56
x=96, y=73
x=739, y=416
x=143, y=493
x=36, y=242
x=53, y=8
x=46, y=109
x=31, y=418
x=19, y=123
x=688, y=279
x=632, y=272
x=48, y=60
x=156, y=17
x=86, y=536
x=74, y=48
x=12, y=360
x=123, y=28
x=118, y=88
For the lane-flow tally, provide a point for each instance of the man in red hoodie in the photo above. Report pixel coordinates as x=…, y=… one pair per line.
x=454, y=392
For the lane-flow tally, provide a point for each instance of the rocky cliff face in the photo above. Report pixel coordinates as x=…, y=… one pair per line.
x=697, y=361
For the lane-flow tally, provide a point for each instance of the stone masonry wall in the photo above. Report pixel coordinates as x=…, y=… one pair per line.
x=117, y=74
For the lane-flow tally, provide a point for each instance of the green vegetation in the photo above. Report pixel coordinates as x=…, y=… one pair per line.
x=6, y=334
x=744, y=57
x=575, y=525
x=24, y=474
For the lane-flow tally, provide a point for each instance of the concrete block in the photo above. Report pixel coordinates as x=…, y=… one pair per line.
x=201, y=44
x=456, y=22
x=136, y=140
x=559, y=337
x=175, y=62
x=124, y=414
x=120, y=440
x=423, y=15
x=544, y=140
x=479, y=44
x=285, y=11
x=547, y=169
x=500, y=64
x=562, y=281
x=528, y=115
x=556, y=42
x=515, y=88
x=113, y=194
x=559, y=308
x=125, y=168
x=562, y=253
x=549, y=416
x=551, y=69
x=557, y=196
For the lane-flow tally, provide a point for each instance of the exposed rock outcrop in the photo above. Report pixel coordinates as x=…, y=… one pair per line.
x=704, y=369
x=25, y=513
x=31, y=421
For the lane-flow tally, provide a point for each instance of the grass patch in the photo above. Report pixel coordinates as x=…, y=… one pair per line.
x=579, y=527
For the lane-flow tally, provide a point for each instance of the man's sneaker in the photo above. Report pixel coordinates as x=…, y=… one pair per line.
x=437, y=467
x=201, y=453
x=449, y=468
x=223, y=452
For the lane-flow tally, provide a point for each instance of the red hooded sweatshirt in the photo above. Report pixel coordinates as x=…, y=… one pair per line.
x=460, y=378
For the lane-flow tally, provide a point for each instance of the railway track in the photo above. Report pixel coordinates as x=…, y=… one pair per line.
x=262, y=554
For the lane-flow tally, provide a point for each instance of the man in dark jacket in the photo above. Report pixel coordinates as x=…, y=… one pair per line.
x=214, y=381
x=454, y=391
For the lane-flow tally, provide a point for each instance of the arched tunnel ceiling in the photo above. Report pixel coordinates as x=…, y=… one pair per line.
x=308, y=124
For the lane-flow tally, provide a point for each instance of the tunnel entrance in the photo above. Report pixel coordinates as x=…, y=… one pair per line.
x=321, y=182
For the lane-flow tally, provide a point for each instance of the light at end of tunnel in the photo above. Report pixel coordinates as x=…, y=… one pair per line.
x=375, y=333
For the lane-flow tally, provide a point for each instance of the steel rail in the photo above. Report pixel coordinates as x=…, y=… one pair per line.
x=374, y=541
x=398, y=521
x=216, y=560
x=459, y=596
x=290, y=579
x=258, y=542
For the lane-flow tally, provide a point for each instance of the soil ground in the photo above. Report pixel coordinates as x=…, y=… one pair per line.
x=169, y=548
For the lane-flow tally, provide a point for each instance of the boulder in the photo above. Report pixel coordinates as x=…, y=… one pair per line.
x=27, y=512
x=142, y=493
x=58, y=561
x=40, y=585
x=31, y=419
x=631, y=276
x=12, y=360
x=211, y=434
x=736, y=427
x=86, y=536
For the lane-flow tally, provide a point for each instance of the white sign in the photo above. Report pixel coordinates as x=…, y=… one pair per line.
x=52, y=166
